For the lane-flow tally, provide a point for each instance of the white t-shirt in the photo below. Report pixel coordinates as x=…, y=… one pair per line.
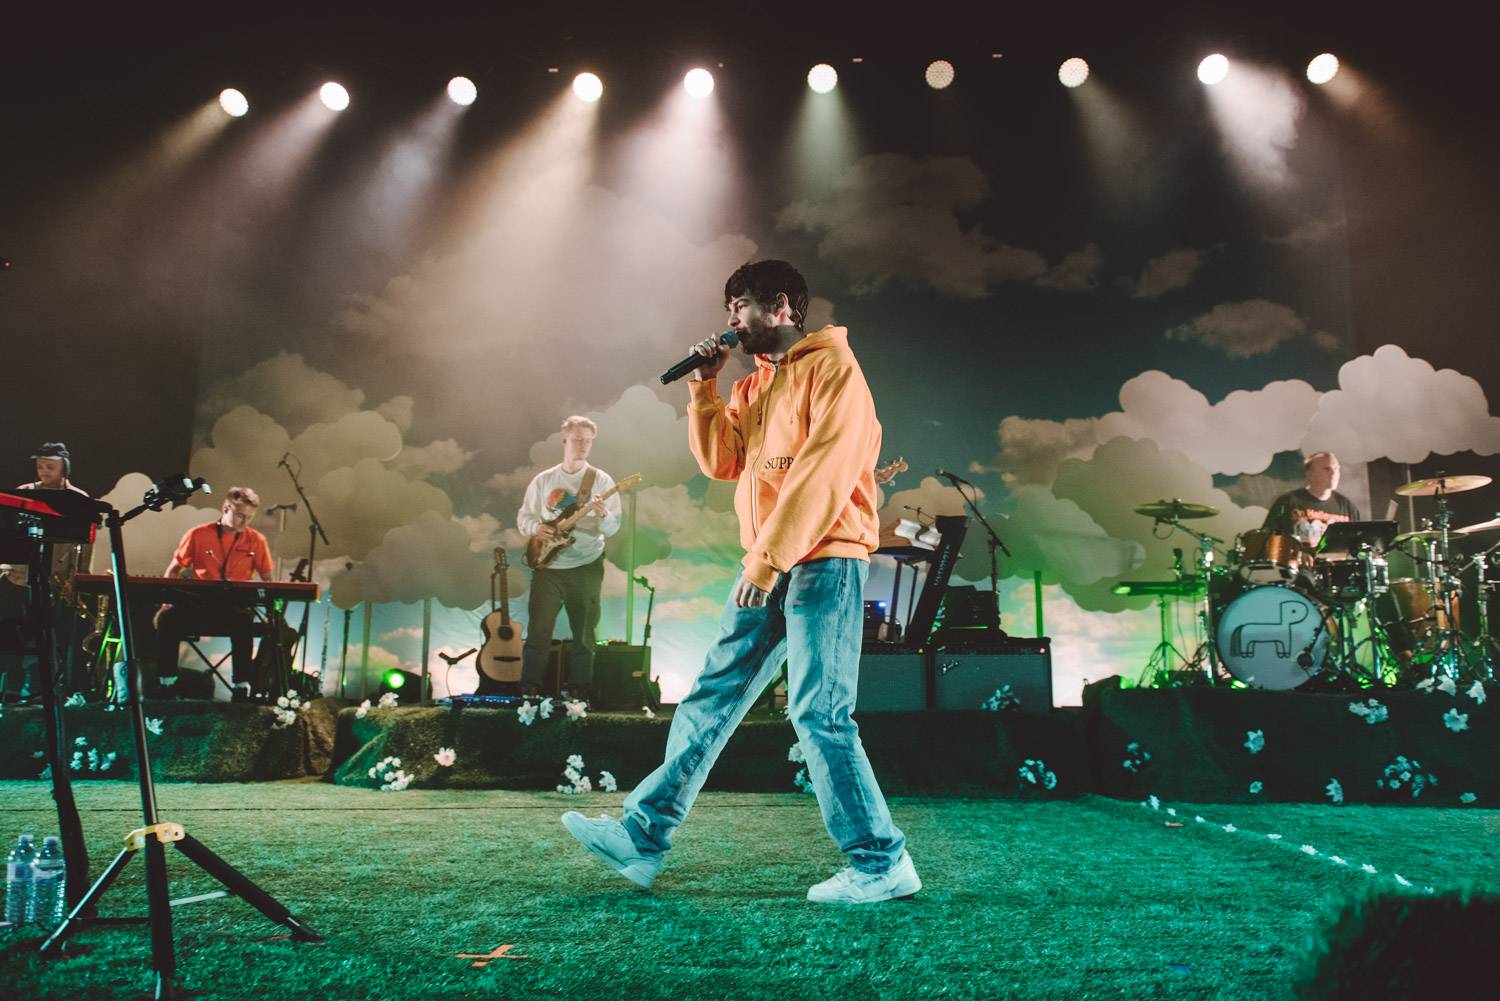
x=550, y=492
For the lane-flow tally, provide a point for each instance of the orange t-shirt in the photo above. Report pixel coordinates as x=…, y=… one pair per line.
x=214, y=552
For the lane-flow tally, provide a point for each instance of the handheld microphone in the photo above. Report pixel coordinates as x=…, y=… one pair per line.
x=953, y=477
x=727, y=339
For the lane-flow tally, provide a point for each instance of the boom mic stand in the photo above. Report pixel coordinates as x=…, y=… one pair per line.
x=314, y=532
x=994, y=542
x=154, y=835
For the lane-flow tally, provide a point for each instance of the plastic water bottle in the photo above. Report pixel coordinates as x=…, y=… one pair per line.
x=19, y=879
x=49, y=894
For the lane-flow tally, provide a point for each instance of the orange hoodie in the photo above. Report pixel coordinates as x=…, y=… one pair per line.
x=802, y=440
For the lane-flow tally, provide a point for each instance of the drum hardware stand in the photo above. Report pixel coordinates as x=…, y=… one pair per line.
x=154, y=834
x=1208, y=653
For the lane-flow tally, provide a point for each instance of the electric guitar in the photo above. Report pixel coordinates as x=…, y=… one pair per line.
x=499, y=658
x=887, y=473
x=542, y=551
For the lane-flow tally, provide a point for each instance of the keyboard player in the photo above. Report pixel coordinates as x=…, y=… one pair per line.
x=227, y=549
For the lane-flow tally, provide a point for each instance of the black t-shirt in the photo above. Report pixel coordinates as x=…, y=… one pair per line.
x=1304, y=517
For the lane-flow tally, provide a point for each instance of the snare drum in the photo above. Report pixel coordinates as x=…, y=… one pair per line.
x=1267, y=557
x=1274, y=637
x=1347, y=581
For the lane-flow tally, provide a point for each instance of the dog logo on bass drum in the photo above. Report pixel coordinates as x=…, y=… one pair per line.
x=778, y=463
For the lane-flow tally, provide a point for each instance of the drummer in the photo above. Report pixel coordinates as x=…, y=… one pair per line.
x=1306, y=513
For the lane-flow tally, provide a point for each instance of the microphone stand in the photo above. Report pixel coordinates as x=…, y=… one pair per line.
x=314, y=532
x=650, y=603
x=154, y=834
x=995, y=543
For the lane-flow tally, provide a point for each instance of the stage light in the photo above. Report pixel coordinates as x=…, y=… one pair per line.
x=1073, y=72
x=822, y=78
x=1323, y=68
x=233, y=102
x=699, y=82
x=461, y=91
x=939, y=74
x=1213, y=69
x=407, y=685
x=588, y=87
x=334, y=96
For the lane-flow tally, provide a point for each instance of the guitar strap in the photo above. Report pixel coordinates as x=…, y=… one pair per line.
x=586, y=488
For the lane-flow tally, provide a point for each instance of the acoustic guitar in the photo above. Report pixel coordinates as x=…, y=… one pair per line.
x=499, y=659
x=542, y=551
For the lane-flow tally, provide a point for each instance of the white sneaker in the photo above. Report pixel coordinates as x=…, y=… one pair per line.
x=854, y=887
x=608, y=839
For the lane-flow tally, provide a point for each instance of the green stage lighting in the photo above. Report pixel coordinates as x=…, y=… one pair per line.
x=404, y=683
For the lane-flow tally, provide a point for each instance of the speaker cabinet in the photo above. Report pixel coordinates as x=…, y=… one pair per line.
x=622, y=677
x=894, y=681
x=966, y=677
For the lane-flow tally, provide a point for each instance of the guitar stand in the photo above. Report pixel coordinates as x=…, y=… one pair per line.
x=154, y=834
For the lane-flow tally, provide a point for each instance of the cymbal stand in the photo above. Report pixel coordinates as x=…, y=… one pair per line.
x=1446, y=592
x=1164, y=656
x=1207, y=554
x=1485, y=564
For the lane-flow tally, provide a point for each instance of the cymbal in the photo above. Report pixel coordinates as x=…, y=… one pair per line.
x=1168, y=510
x=1422, y=535
x=1483, y=526
x=1187, y=587
x=1442, y=485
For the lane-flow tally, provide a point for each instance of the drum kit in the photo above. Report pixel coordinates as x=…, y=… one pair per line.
x=1276, y=613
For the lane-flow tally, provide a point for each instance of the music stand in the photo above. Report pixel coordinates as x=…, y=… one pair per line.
x=154, y=834
x=1349, y=537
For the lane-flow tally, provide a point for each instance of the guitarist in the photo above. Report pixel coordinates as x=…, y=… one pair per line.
x=575, y=577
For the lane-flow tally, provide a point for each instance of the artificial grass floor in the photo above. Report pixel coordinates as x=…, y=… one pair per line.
x=1086, y=898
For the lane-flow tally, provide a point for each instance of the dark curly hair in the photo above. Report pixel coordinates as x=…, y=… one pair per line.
x=763, y=281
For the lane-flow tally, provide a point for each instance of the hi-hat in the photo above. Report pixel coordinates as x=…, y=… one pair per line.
x=1442, y=485
x=1483, y=526
x=1174, y=509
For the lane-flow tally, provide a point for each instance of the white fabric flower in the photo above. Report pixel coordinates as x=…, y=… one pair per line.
x=1467, y=797
x=582, y=783
x=575, y=761
x=1309, y=850
x=526, y=713
x=648, y=712
x=388, y=700
x=445, y=757
x=81, y=741
x=1274, y=837
x=363, y=710
x=1230, y=828
x=576, y=709
x=1447, y=687
x=1255, y=740
x=1201, y=820
x=1477, y=693
x=282, y=702
x=1334, y=791
x=545, y=709
x=1336, y=860
x=1425, y=686
x=795, y=754
x=1367, y=867
x=803, y=782
x=77, y=701
x=1456, y=721
x=607, y=782
x=571, y=774
x=1153, y=802
x=153, y=725
x=1401, y=879
x=1256, y=787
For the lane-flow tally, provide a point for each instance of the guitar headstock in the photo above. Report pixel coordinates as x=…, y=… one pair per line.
x=628, y=482
x=501, y=561
x=884, y=474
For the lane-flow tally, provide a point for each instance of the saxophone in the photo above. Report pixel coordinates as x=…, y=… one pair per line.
x=100, y=628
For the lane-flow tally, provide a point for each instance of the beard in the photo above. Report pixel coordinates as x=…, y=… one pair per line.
x=758, y=337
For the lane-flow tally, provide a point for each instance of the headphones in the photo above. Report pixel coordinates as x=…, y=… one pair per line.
x=56, y=450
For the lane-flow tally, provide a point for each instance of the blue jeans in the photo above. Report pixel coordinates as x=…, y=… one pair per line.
x=814, y=619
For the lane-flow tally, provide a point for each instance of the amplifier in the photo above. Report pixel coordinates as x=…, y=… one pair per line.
x=968, y=677
x=622, y=677
x=891, y=681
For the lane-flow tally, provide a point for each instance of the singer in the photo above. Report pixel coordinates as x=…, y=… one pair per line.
x=800, y=437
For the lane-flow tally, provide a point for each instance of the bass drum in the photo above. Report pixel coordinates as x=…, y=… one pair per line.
x=1274, y=637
